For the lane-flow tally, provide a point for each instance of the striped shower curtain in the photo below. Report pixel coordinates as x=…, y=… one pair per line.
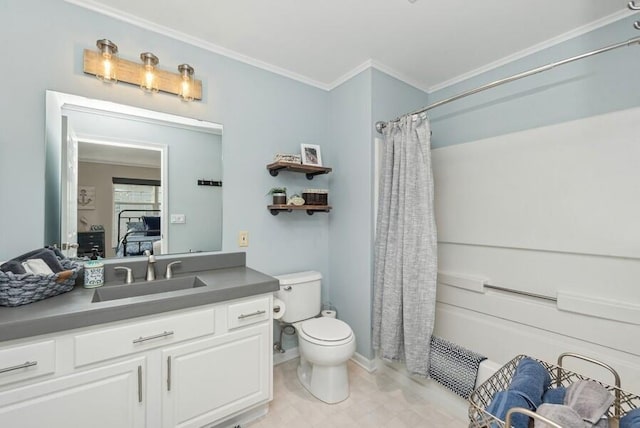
x=406, y=247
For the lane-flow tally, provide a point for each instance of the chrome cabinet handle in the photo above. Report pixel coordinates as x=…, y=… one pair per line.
x=169, y=373
x=139, y=384
x=19, y=366
x=252, y=314
x=155, y=336
x=287, y=288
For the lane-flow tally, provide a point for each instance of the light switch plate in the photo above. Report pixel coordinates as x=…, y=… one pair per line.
x=243, y=238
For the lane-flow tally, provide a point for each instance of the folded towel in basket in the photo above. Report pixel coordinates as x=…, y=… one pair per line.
x=37, y=267
x=505, y=400
x=589, y=399
x=530, y=380
x=48, y=255
x=554, y=395
x=566, y=417
x=631, y=419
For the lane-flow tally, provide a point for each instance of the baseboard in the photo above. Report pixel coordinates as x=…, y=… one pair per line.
x=244, y=417
x=289, y=354
x=367, y=364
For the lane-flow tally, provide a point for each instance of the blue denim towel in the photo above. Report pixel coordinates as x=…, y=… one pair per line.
x=554, y=395
x=505, y=400
x=531, y=379
x=631, y=419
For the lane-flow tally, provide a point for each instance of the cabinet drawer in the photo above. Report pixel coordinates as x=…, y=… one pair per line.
x=27, y=361
x=248, y=312
x=139, y=336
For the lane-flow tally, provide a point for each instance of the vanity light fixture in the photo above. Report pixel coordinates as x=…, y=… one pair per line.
x=148, y=77
x=186, y=85
x=108, y=52
x=105, y=64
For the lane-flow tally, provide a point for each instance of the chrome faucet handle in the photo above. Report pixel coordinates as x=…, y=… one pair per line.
x=151, y=269
x=129, y=278
x=169, y=272
x=152, y=258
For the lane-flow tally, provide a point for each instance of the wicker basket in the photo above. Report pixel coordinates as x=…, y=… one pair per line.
x=316, y=197
x=16, y=290
x=480, y=398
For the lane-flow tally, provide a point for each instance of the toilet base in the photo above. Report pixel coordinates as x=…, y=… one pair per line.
x=327, y=383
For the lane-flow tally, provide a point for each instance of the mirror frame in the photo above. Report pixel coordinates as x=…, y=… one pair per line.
x=55, y=103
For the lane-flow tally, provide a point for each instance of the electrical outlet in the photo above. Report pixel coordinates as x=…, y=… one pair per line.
x=177, y=219
x=243, y=238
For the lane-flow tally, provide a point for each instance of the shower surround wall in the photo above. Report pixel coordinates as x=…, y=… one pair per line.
x=563, y=234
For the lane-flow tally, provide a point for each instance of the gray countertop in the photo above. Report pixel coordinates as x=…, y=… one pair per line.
x=76, y=309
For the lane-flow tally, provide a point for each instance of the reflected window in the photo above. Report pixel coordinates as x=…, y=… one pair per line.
x=134, y=199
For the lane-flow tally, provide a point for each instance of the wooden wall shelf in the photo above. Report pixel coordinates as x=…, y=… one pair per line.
x=310, y=170
x=310, y=209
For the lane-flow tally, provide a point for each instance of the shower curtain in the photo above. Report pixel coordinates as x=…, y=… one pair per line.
x=405, y=249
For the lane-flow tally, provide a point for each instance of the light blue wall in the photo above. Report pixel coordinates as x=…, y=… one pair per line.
x=354, y=107
x=350, y=222
x=262, y=114
x=392, y=98
x=596, y=85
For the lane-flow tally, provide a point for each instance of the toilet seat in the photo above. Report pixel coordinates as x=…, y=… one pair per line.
x=325, y=331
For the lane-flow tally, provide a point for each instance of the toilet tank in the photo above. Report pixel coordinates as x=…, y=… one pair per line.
x=301, y=294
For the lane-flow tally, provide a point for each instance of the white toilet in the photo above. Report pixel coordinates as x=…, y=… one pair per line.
x=325, y=344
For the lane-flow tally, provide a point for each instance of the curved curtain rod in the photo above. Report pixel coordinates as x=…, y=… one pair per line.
x=381, y=125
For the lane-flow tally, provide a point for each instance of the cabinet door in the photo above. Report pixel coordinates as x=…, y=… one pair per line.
x=105, y=397
x=208, y=380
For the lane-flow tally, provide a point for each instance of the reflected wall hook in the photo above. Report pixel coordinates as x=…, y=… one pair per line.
x=632, y=5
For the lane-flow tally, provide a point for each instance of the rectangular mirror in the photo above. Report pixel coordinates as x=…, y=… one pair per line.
x=120, y=180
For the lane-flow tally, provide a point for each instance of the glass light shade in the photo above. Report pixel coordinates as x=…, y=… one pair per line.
x=186, y=82
x=108, y=67
x=148, y=76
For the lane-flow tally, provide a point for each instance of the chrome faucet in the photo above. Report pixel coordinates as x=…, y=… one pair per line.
x=151, y=266
x=169, y=272
x=129, y=278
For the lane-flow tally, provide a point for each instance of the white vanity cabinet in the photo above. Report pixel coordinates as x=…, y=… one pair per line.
x=207, y=379
x=104, y=397
x=188, y=368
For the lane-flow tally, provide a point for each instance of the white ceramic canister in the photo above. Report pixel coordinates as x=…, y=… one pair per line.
x=93, y=274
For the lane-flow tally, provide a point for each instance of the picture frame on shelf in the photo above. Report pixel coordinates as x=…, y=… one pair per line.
x=311, y=154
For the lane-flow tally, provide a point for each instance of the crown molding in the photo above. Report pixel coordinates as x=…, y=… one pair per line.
x=370, y=63
x=350, y=74
x=398, y=75
x=533, y=49
x=194, y=41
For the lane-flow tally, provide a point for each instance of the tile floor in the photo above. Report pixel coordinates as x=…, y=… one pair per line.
x=376, y=400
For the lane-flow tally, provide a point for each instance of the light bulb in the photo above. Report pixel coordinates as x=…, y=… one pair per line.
x=148, y=79
x=108, y=52
x=186, y=84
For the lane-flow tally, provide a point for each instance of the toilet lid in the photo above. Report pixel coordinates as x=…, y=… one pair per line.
x=328, y=329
